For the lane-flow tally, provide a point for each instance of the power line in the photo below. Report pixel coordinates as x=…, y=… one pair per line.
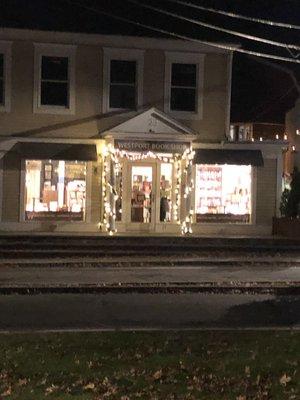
x=217, y=28
x=183, y=37
x=238, y=16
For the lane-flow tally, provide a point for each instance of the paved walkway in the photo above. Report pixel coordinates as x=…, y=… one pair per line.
x=68, y=276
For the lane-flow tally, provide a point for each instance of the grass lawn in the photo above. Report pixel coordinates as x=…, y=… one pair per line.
x=168, y=365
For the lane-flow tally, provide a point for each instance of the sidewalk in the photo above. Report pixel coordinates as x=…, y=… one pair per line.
x=179, y=276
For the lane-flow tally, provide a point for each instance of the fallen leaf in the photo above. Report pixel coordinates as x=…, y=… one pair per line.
x=247, y=371
x=22, y=382
x=89, y=386
x=285, y=379
x=6, y=392
x=157, y=374
x=241, y=398
x=51, y=389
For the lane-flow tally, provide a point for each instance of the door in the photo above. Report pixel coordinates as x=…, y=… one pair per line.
x=142, y=196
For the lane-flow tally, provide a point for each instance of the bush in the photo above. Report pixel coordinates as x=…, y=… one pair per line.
x=290, y=199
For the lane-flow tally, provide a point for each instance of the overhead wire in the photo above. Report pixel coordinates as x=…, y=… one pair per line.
x=183, y=37
x=237, y=16
x=215, y=27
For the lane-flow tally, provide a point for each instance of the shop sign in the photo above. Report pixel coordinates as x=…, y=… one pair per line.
x=142, y=146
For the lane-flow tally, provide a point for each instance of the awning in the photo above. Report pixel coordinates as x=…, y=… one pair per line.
x=56, y=151
x=229, y=156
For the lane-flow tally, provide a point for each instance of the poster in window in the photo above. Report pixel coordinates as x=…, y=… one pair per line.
x=48, y=172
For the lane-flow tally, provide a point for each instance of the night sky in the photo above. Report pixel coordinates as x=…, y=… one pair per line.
x=261, y=92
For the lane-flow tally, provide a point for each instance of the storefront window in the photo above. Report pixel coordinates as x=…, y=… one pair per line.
x=165, y=192
x=141, y=194
x=223, y=193
x=55, y=190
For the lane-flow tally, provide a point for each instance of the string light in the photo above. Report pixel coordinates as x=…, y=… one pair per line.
x=187, y=157
x=112, y=166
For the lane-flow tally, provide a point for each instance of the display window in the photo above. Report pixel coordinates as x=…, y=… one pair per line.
x=166, y=172
x=141, y=194
x=55, y=190
x=223, y=193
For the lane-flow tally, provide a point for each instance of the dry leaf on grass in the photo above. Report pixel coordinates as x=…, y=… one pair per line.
x=7, y=392
x=89, y=386
x=285, y=379
x=157, y=375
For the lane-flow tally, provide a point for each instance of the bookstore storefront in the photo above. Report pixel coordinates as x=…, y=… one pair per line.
x=176, y=189
x=143, y=184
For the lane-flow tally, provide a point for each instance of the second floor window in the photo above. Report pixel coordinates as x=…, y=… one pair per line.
x=122, y=91
x=54, y=81
x=2, y=94
x=183, y=87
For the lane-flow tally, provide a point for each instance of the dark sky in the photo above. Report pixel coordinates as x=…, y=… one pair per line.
x=261, y=92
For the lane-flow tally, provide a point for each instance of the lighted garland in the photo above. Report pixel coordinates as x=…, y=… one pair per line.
x=111, y=167
x=187, y=157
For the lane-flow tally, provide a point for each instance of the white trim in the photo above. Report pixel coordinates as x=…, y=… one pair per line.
x=88, y=193
x=279, y=173
x=53, y=50
x=253, y=194
x=186, y=58
x=22, y=191
x=229, y=89
x=134, y=42
x=5, y=49
x=124, y=55
x=1, y=188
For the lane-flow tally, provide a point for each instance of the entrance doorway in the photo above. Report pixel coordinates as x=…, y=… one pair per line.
x=150, y=196
x=142, y=193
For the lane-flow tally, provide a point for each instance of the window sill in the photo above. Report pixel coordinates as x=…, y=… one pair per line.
x=186, y=115
x=4, y=109
x=53, y=110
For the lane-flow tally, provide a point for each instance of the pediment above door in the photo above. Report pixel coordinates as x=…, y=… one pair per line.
x=151, y=124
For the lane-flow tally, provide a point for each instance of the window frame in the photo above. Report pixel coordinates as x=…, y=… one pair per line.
x=110, y=54
x=54, y=50
x=184, y=58
x=88, y=205
x=5, y=49
x=253, y=186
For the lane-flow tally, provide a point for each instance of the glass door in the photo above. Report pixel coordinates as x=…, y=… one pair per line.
x=142, y=195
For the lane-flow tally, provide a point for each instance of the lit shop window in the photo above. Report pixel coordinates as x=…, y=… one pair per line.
x=55, y=190
x=165, y=192
x=223, y=193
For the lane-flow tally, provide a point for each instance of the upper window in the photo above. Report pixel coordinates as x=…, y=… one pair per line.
x=5, y=72
x=122, y=79
x=184, y=84
x=183, y=87
x=122, y=92
x=54, y=79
